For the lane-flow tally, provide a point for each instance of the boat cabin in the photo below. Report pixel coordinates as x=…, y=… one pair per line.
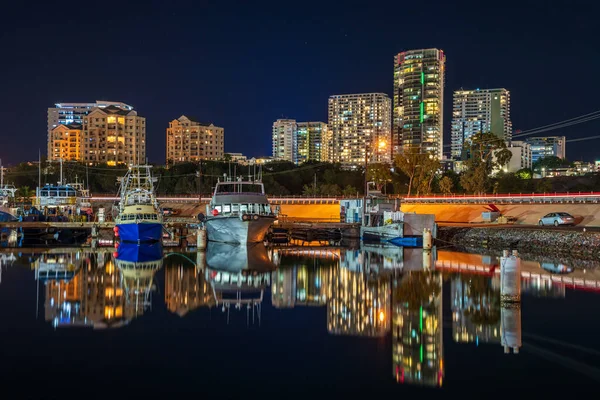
x=56, y=195
x=234, y=198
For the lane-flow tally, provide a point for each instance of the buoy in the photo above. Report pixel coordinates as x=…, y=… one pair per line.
x=201, y=238
x=115, y=254
x=215, y=212
x=116, y=229
x=117, y=245
x=116, y=234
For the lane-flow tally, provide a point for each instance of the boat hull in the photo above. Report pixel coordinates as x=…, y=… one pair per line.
x=382, y=233
x=142, y=232
x=234, y=230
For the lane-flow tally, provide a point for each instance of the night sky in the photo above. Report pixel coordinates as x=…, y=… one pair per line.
x=241, y=65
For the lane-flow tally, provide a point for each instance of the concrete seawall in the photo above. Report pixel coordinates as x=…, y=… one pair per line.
x=585, y=214
x=585, y=245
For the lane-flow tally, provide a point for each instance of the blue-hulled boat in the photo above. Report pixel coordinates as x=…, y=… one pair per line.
x=139, y=219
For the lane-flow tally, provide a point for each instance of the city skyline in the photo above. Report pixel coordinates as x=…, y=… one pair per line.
x=211, y=85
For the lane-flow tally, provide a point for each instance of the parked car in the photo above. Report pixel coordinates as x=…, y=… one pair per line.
x=557, y=218
x=168, y=211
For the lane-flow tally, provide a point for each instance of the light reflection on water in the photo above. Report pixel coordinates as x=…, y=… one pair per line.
x=370, y=292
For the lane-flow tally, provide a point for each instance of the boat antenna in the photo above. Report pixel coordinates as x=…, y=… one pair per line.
x=87, y=177
x=1, y=175
x=229, y=168
x=61, y=174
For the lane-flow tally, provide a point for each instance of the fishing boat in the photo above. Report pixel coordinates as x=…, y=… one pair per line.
x=239, y=212
x=63, y=199
x=139, y=217
x=7, y=192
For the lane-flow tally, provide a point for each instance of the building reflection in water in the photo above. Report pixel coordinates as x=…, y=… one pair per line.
x=417, y=328
x=358, y=303
x=475, y=308
x=185, y=288
x=95, y=289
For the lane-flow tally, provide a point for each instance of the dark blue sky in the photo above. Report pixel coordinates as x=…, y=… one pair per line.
x=242, y=65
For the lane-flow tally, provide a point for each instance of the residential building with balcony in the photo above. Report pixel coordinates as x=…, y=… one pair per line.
x=113, y=135
x=310, y=137
x=189, y=140
x=479, y=110
x=65, y=143
x=284, y=139
x=419, y=101
x=74, y=113
x=360, y=128
x=550, y=146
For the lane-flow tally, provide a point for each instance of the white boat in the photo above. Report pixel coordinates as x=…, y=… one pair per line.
x=239, y=212
x=139, y=218
x=7, y=192
x=63, y=197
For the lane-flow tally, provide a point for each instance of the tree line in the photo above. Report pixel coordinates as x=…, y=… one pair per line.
x=411, y=173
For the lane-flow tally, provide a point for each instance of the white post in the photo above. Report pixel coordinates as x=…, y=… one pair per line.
x=201, y=238
x=510, y=277
x=427, y=239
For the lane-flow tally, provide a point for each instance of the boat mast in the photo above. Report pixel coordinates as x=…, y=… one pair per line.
x=1, y=175
x=61, y=175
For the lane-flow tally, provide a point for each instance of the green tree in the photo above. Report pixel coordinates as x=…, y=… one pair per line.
x=551, y=162
x=227, y=157
x=524, y=173
x=485, y=153
x=310, y=190
x=380, y=174
x=349, y=191
x=420, y=168
x=25, y=193
x=446, y=185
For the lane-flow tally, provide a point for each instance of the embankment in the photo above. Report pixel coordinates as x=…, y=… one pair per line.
x=584, y=245
x=585, y=214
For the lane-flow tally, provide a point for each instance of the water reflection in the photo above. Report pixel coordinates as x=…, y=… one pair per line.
x=98, y=290
x=369, y=292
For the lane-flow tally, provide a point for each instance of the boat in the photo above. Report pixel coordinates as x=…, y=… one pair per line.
x=139, y=217
x=384, y=222
x=63, y=199
x=7, y=192
x=239, y=212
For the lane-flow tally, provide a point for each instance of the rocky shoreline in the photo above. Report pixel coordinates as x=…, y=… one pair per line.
x=547, y=242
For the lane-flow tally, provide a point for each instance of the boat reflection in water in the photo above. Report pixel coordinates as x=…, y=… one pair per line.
x=137, y=265
x=99, y=290
x=238, y=275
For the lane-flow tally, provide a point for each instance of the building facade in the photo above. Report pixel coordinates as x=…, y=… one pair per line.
x=65, y=143
x=479, y=110
x=113, y=136
x=551, y=146
x=310, y=137
x=189, y=140
x=419, y=101
x=521, y=157
x=360, y=128
x=74, y=113
x=284, y=135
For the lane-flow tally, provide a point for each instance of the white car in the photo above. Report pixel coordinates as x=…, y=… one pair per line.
x=556, y=219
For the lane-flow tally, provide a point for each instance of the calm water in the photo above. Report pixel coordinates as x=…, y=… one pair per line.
x=295, y=322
